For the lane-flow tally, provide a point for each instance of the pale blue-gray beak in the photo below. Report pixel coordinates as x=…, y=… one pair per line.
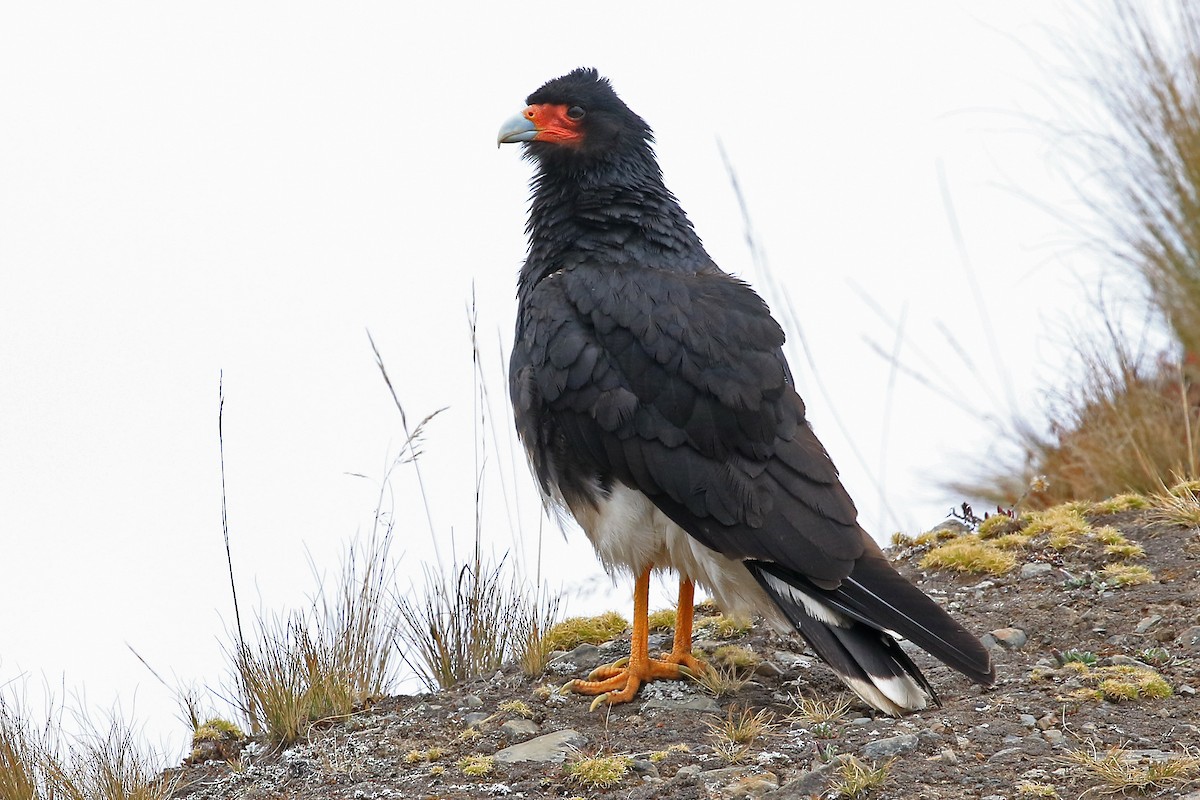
x=517, y=128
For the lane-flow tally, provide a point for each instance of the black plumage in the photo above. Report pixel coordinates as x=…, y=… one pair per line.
x=640, y=369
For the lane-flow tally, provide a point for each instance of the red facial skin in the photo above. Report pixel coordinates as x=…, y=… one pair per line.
x=553, y=124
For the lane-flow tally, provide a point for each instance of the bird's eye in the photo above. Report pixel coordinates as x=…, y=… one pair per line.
x=576, y=112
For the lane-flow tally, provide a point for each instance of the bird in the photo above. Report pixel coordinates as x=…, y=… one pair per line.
x=654, y=401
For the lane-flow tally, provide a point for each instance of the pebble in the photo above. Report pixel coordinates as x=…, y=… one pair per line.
x=472, y=701
x=1006, y=638
x=520, y=728
x=1054, y=737
x=891, y=746
x=475, y=719
x=547, y=747
x=1146, y=623
x=1028, y=720
x=688, y=772
x=812, y=783
x=694, y=703
x=767, y=670
x=647, y=769
x=1034, y=569
x=948, y=757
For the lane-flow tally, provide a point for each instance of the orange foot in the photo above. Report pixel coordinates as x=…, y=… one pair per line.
x=618, y=682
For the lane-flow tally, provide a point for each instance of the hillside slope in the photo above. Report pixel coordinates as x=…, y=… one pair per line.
x=1088, y=661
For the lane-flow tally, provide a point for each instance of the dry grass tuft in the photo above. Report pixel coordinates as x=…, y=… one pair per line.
x=969, y=554
x=856, y=780
x=1122, y=575
x=661, y=620
x=736, y=657
x=106, y=762
x=720, y=680
x=1118, y=771
x=734, y=735
x=601, y=772
x=819, y=711
x=574, y=631
x=325, y=663
x=723, y=626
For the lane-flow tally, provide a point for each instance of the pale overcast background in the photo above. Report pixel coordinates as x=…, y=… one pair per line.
x=187, y=188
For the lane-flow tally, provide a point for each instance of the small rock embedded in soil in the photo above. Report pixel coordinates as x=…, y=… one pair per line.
x=552, y=747
x=520, y=728
x=891, y=746
x=1006, y=638
x=1034, y=569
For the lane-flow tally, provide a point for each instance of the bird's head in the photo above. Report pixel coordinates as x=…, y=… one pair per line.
x=576, y=118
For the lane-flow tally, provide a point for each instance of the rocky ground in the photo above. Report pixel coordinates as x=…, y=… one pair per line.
x=1096, y=693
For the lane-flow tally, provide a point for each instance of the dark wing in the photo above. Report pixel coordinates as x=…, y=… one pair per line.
x=675, y=384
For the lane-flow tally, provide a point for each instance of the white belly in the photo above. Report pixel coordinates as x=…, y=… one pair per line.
x=630, y=533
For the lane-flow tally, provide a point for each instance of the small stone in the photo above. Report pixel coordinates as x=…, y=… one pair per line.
x=1028, y=720
x=1189, y=639
x=1123, y=661
x=475, y=719
x=1146, y=623
x=1006, y=638
x=552, y=747
x=813, y=783
x=472, y=701
x=1047, y=722
x=1054, y=737
x=1185, y=689
x=948, y=757
x=789, y=660
x=1034, y=569
x=1006, y=754
x=520, y=728
x=767, y=670
x=891, y=746
x=648, y=770
x=693, y=703
x=687, y=773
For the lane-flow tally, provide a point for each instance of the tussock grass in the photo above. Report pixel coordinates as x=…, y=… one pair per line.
x=100, y=763
x=856, y=780
x=970, y=554
x=818, y=710
x=661, y=620
x=734, y=735
x=720, y=679
x=323, y=663
x=601, y=772
x=723, y=626
x=1128, y=423
x=1121, y=575
x=1118, y=771
x=736, y=657
x=574, y=631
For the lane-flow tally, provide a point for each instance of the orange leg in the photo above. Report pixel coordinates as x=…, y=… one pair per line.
x=619, y=682
x=681, y=647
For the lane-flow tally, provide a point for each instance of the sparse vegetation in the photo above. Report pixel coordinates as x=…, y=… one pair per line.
x=721, y=679
x=736, y=657
x=817, y=710
x=856, y=780
x=1118, y=771
x=723, y=626
x=969, y=554
x=661, y=620
x=574, y=631
x=734, y=735
x=325, y=663
x=601, y=772
x=1126, y=575
x=476, y=766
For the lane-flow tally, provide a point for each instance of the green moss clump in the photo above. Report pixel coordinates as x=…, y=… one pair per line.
x=574, y=631
x=599, y=773
x=969, y=554
x=736, y=656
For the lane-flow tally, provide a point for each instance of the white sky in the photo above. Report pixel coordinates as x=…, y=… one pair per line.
x=248, y=187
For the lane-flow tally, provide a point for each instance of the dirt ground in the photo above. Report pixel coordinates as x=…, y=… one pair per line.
x=1060, y=635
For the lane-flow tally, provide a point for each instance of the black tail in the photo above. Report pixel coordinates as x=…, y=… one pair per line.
x=849, y=628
